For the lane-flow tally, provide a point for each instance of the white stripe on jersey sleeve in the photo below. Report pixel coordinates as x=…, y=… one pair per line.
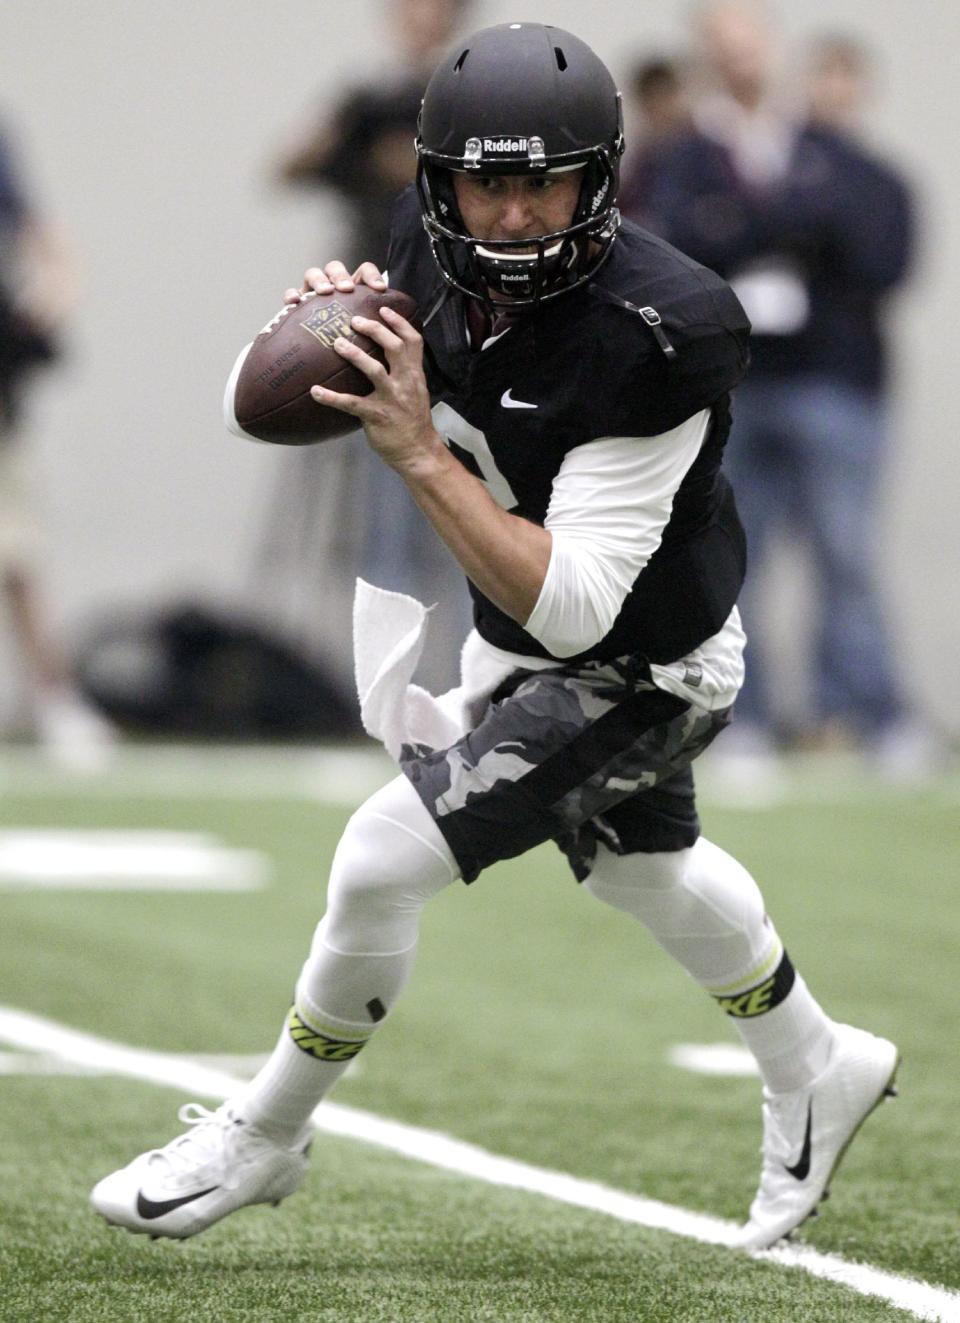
x=610, y=503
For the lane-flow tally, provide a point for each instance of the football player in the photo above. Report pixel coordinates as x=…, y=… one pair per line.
x=561, y=420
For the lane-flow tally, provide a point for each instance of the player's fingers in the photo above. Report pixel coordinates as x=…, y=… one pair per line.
x=339, y=277
x=345, y=403
x=316, y=278
x=292, y=295
x=368, y=273
x=355, y=355
x=375, y=330
x=401, y=327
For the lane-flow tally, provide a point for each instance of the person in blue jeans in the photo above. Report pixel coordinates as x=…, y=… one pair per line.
x=813, y=232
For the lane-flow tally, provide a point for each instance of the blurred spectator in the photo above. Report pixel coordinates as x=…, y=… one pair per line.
x=838, y=82
x=362, y=151
x=658, y=111
x=813, y=233
x=37, y=287
x=363, y=148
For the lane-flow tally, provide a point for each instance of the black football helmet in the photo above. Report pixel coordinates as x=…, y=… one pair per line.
x=520, y=99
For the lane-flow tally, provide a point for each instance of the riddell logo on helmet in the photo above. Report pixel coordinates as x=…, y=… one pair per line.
x=598, y=197
x=505, y=144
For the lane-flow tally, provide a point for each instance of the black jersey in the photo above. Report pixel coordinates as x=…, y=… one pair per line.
x=595, y=363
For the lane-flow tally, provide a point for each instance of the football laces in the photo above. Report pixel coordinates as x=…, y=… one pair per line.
x=287, y=308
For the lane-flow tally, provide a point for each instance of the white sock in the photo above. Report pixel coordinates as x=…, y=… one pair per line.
x=390, y=861
x=791, y=1043
x=706, y=911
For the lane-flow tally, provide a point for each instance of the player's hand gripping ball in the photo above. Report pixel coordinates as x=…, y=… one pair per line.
x=268, y=394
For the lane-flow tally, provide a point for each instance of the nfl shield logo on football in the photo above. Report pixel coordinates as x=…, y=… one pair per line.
x=327, y=323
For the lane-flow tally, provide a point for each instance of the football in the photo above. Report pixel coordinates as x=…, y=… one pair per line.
x=268, y=394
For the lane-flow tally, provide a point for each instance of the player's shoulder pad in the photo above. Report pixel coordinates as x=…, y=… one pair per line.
x=409, y=260
x=675, y=297
x=407, y=234
x=660, y=312
x=406, y=208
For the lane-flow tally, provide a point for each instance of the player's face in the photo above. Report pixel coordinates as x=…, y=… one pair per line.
x=517, y=206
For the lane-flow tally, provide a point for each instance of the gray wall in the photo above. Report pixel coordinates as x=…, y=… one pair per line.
x=147, y=130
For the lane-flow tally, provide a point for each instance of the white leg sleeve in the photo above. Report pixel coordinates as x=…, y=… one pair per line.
x=699, y=904
x=391, y=859
x=706, y=911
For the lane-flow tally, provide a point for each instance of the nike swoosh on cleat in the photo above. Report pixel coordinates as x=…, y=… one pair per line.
x=508, y=402
x=148, y=1210
x=801, y=1170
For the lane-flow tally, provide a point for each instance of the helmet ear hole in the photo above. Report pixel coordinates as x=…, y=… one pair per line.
x=561, y=58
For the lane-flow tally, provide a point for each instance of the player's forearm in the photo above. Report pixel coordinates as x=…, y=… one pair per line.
x=504, y=555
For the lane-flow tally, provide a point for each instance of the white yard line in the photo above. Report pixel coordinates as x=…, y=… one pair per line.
x=712, y=1059
x=76, y=859
x=19, y=1029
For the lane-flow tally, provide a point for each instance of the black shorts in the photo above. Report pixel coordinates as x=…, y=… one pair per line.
x=575, y=755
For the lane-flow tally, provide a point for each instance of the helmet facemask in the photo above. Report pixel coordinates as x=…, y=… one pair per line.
x=526, y=271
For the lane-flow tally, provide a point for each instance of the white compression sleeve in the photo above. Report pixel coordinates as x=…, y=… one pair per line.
x=390, y=861
x=610, y=503
x=705, y=910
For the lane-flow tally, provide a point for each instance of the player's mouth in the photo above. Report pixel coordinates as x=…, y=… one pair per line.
x=528, y=252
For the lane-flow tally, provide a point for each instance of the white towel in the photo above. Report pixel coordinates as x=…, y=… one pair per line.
x=389, y=632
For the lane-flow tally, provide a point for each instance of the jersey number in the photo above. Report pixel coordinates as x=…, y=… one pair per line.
x=459, y=434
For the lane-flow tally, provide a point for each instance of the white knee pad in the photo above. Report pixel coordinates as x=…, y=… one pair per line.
x=390, y=860
x=617, y=879
x=699, y=904
x=628, y=881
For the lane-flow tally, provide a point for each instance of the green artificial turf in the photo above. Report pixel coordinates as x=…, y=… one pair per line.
x=537, y=1024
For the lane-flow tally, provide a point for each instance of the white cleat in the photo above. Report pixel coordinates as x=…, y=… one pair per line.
x=807, y=1131
x=217, y=1166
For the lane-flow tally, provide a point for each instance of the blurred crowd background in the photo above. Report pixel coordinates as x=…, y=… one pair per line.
x=161, y=184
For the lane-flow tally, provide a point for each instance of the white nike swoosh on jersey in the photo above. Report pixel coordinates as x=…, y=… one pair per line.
x=508, y=402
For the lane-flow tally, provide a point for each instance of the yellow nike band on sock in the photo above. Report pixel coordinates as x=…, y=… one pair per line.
x=763, y=996
x=325, y=1044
